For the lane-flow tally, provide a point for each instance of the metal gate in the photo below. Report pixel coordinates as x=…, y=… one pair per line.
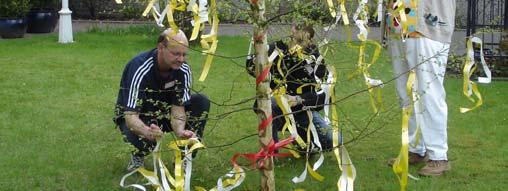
x=488, y=19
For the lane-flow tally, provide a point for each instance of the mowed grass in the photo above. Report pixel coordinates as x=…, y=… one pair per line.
x=57, y=103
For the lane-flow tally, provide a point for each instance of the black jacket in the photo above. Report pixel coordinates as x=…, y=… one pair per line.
x=299, y=72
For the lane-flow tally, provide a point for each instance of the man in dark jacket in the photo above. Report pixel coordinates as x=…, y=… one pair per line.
x=154, y=97
x=297, y=69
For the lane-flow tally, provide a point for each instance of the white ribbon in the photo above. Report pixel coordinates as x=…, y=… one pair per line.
x=374, y=82
x=486, y=69
x=316, y=141
x=327, y=87
x=361, y=24
x=380, y=11
x=231, y=174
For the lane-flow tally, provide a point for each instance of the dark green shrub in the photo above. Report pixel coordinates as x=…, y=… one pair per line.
x=14, y=8
x=45, y=4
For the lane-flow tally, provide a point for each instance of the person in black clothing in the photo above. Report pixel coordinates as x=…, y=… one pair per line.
x=298, y=68
x=154, y=97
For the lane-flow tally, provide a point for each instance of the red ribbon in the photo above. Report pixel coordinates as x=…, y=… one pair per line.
x=263, y=74
x=262, y=126
x=264, y=153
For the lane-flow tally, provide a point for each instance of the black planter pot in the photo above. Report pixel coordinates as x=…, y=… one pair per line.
x=42, y=21
x=13, y=28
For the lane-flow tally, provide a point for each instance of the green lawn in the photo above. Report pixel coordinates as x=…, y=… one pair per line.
x=57, y=103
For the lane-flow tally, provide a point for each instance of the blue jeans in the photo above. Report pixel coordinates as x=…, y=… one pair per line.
x=325, y=131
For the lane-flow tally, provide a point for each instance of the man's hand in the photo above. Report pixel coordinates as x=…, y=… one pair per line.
x=294, y=100
x=153, y=132
x=185, y=134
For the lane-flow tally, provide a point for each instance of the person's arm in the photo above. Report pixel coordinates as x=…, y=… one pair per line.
x=178, y=119
x=250, y=62
x=139, y=128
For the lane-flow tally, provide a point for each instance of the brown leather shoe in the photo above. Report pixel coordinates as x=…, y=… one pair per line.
x=435, y=168
x=413, y=159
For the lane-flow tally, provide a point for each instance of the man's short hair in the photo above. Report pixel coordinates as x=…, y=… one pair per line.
x=305, y=27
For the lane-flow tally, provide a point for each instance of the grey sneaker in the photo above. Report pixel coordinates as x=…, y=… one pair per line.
x=135, y=162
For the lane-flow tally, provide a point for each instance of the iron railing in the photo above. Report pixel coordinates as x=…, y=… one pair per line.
x=488, y=19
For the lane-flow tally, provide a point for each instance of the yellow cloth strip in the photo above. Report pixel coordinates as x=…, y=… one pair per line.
x=210, y=38
x=178, y=5
x=292, y=150
x=335, y=118
x=282, y=102
x=312, y=170
x=151, y=176
x=343, y=160
x=372, y=84
x=299, y=89
x=208, y=62
x=476, y=92
x=159, y=183
x=331, y=8
x=197, y=26
x=347, y=179
x=148, y=8
x=233, y=179
x=343, y=11
x=171, y=20
x=118, y=1
x=174, y=145
x=470, y=87
x=197, y=21
x=400, y=166
x=314, y=174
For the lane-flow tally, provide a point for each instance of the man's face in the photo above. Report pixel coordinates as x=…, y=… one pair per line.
x=299, y=37
x=173, y=55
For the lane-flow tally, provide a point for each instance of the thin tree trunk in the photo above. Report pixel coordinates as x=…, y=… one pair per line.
x=264, y=104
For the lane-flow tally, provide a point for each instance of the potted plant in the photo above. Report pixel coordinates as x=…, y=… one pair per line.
x=43, y=16
x=12, y=18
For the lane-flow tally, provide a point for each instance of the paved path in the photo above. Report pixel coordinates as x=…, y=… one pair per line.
x=275, y=31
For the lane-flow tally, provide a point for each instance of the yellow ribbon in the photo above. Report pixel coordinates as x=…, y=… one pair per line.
x=171, y=20
x=194, y=8
x=159, y=183
x=148, y=8
x=374, y=85
x=210, y=38
x=400, y=166
x=290, y=124
x=343, y=12
x=174, y=145
x=231, y=180
x=299, y=89
x=331, y=8
x=470, y=87
x=347, y=179
x=178, y=5
x=308, y=168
